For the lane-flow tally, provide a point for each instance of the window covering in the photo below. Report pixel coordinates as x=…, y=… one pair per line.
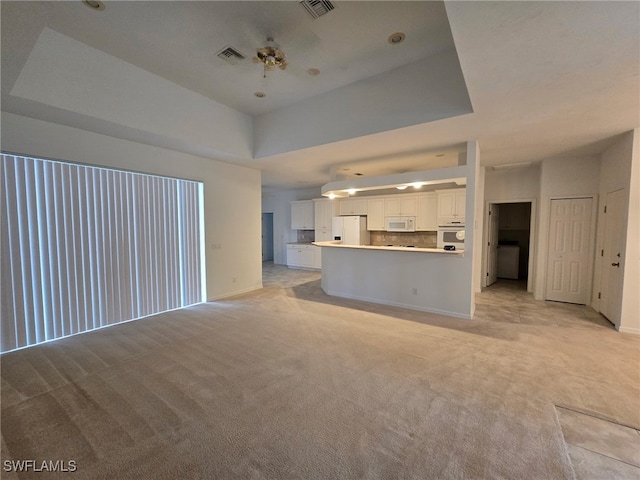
x=86, y=247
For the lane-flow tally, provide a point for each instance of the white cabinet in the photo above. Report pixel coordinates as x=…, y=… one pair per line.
x=427, y=218
x=324, y=235
x=451, y=204
x=514, y=216
x=353, y=206
x=375, y=214
x=303, y=256
x=325, y=209
x=401, y=205
x=302, y=215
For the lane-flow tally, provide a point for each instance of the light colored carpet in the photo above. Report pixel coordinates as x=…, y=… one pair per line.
x=286, y=382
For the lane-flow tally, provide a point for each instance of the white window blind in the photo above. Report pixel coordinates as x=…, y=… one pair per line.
x=85, y=247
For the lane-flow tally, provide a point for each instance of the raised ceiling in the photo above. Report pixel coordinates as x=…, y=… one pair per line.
x=529, y=80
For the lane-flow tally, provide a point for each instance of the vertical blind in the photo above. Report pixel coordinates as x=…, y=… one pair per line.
x=85, y=247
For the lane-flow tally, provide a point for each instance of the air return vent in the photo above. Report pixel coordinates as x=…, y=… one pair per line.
x=317, y=8
x=230, y=54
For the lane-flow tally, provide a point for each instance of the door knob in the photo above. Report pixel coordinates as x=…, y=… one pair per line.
x=617, y=264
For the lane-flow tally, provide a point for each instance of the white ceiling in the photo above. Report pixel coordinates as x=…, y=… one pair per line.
x=529, y=80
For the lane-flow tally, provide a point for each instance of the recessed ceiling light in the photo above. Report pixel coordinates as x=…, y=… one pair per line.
x=416, y=185
x=313, y=72
x=352, y=191
x=401, y=187
x=396, y=38
x=260, y=94
x=358, y=174
x=94, y=4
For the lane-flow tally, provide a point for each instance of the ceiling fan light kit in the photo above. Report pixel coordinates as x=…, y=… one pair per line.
x=271, y=56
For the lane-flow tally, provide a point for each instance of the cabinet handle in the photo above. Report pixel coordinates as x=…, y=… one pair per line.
x=617, y=264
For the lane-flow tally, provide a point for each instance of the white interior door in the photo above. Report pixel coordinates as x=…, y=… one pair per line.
x=492, y=253
x=569, y=252
x=611, y=280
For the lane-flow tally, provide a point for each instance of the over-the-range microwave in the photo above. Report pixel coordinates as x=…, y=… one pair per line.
x=401, y=224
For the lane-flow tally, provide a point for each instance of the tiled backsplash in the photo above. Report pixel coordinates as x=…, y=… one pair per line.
x=417, y=239
x=306, y=236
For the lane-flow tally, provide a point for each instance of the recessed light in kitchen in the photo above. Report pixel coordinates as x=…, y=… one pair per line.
x=313, y=72
x=352, y=191
x=358, y=174
x=396, y=38
x=401, y=187
x=416, y=185
x=94, y=4
x=260, y=94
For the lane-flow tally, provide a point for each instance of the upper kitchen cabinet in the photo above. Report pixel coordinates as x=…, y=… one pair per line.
x=302, y=215
x=353, y=206
x=427, y=218
x=401, y=206
x=375, y=214
x=451, y=204
x=325, y=209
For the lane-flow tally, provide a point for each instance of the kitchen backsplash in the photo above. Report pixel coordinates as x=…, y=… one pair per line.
x=306, y=236
x=417, y=239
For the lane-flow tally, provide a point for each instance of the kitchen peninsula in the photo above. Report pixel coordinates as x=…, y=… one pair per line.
x=425, y=279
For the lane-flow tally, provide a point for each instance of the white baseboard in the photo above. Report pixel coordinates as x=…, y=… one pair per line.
x=401, y=305
x=635, y=331
x=235, y=292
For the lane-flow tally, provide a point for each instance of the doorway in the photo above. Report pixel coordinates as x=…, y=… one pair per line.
x=509, y=242
x=267, y=237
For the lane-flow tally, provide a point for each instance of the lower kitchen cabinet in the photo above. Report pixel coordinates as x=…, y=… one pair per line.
x=303, y=256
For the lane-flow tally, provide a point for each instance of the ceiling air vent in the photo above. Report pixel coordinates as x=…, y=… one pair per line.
x=230, y=54
x=317, y=8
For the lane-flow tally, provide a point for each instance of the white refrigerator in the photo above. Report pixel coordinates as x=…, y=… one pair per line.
x=351, y=230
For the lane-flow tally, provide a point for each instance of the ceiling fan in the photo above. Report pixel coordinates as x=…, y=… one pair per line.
x=270, y=56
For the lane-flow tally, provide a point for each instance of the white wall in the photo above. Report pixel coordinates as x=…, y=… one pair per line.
x=561, y=177
x=512, y=185
x=69, y=75
x=232, y=193
x=277, y=202
x=478, y=224
x=630, y=319
x=620, y=169
x=423, y=91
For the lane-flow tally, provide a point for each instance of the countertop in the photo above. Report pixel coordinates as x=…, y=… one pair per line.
x=300, y=243
x=385, y=248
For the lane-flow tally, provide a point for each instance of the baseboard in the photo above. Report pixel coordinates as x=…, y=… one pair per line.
x=401, y=305
x=235, y=292
x=635, y=331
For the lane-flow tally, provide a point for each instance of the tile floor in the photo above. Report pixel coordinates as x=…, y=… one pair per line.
x=598, y=448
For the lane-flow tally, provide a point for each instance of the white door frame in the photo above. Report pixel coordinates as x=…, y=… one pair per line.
x=592, y=240
x=532, y=238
